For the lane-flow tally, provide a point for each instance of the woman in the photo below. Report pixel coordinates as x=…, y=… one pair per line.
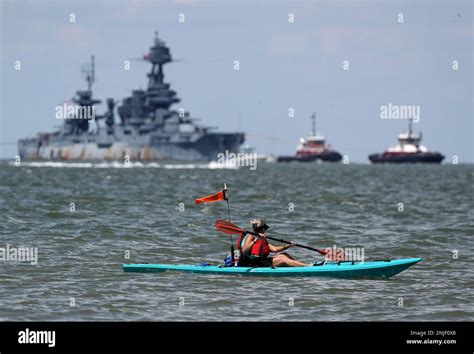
x=255, y=250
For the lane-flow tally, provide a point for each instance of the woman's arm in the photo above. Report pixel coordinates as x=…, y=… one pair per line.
x=281, y=248
x=275, y=249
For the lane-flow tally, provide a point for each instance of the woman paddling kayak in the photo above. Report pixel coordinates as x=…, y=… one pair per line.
x=255, y=250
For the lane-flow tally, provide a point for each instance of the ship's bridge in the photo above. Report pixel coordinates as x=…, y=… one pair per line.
x=409, y=138
x=314, y=140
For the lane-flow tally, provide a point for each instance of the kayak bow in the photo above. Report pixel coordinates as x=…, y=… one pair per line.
x=373, y=269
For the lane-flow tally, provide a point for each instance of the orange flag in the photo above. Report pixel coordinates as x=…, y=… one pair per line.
x=212, y=198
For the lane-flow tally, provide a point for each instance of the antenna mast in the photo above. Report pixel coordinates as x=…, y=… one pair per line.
x=88, y=70
x=409, y=127
x=313, y=117
x=91, y=77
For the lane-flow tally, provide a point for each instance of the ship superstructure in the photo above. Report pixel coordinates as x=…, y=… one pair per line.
x=148, y=130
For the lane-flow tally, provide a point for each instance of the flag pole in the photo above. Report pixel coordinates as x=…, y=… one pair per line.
x=228, y=212
x=227, y=200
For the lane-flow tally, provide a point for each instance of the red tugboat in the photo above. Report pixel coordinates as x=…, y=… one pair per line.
x=313, y=148
x=409, y=150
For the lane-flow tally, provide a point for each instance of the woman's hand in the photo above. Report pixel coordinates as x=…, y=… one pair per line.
x=285, y=247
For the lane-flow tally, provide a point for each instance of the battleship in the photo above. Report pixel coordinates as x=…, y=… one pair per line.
x=408, y=150
x=313, y=148
x=148, y=130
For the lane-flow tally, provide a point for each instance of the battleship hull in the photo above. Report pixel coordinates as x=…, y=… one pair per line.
x=205, y=148
x=327, y=156
x=421, y=157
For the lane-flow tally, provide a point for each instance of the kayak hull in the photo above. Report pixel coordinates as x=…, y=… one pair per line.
x=349, y=270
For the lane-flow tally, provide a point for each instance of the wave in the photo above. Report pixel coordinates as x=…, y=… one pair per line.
x=213, y=165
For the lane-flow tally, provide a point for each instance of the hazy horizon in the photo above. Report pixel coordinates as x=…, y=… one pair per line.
x=282, y=65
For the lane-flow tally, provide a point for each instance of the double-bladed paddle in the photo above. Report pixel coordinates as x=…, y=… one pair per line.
x=232, y=229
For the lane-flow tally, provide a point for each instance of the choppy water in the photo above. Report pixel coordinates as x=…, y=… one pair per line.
x=137, y=210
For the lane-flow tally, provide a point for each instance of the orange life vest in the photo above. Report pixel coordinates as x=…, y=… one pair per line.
x=259, y=249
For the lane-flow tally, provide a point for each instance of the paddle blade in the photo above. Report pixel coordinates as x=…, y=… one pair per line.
x=228, y=228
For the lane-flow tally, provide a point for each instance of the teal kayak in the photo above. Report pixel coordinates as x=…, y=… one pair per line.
x=373, y=269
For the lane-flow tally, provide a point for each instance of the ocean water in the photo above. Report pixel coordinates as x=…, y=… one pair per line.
x=147, y=212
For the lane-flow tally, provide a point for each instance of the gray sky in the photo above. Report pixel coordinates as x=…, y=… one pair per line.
x=282, y=65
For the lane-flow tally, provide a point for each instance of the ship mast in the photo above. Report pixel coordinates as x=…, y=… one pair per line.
x=89, y=72
x=313, y=117
x=409, y=127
